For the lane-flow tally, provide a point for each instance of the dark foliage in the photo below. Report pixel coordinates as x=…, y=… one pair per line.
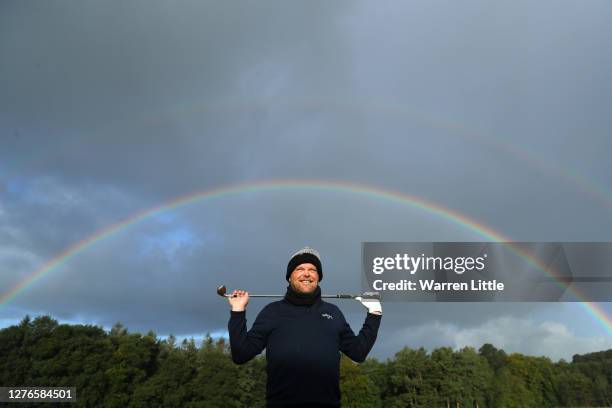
x=122, y=369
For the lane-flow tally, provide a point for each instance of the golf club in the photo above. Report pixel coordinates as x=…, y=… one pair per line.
x=222, y=291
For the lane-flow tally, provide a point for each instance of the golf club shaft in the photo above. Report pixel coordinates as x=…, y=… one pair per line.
x=323, y=296
x=222, y=289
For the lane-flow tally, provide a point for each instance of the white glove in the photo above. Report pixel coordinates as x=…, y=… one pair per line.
x=373, y=305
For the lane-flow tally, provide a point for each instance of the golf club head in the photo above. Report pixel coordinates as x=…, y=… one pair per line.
x=221, y=291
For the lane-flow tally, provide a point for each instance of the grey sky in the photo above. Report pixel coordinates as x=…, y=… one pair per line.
x=499, y=111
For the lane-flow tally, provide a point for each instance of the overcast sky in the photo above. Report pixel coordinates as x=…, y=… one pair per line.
x=497, y=110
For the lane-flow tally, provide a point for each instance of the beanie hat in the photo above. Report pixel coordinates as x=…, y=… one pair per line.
x=305, y=255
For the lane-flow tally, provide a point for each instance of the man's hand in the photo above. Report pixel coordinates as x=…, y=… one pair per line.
x=238, y=300
x=373, y=305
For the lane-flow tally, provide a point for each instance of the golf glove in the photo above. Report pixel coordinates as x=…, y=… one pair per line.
x=373, y=305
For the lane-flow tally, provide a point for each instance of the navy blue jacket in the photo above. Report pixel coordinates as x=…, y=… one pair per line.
x=302, y=349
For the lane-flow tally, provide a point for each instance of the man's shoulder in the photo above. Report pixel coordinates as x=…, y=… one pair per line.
x=330, y=307
x=272, y=306
x=269, y=311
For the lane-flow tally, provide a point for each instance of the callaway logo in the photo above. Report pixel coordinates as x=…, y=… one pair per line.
x=325, y=315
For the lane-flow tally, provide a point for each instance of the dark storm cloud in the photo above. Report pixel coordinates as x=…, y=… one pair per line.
x=109, y=109
x=163, y=100
x=98, y=81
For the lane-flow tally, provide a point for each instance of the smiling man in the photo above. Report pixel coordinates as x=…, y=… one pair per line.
x=303, y=337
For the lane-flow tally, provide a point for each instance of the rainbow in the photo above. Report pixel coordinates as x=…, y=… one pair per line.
x=595, y=311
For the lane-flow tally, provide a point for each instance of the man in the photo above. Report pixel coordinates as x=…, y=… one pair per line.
x=303, y=336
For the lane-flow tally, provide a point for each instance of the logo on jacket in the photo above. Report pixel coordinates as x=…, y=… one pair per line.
x=327, y=316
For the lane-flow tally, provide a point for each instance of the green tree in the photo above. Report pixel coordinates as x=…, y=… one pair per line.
x=526, y=381
x=574, y=389
x=134, y=359
x=122, y=369
x=410, y=380
x=216, y=383
x=496, y=358
x=356, y=388
x=169, y=385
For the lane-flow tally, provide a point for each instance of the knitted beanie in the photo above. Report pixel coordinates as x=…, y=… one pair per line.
x=305, y=255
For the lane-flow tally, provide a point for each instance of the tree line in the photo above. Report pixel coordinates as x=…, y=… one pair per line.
x=122, y=369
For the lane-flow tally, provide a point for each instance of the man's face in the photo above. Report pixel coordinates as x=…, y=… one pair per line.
x=304, y=278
